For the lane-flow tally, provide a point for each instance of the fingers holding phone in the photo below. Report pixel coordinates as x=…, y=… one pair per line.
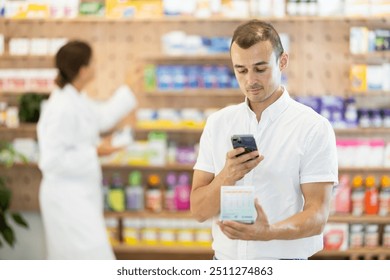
x=242, y=159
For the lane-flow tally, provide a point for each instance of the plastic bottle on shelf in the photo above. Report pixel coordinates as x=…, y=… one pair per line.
x=371, y=237
x=185, y=233
x=384, y=196
x=386, y=236
x=386, y=118
x=3, y=113
x=149, y=232
x=351, y=114
x=371, y=198
x=153, y=194
x=356, y=236
x=112, y=230
x=203, y=235
x=131, y=231
x=135, y=192
x=106, y=191
x=343, y=195
x=116, y=196
x=182, y=192
x=357, y=196
x=169, y=201
x=167, y=232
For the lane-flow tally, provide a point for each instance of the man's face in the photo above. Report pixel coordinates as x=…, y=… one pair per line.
x=257, y=70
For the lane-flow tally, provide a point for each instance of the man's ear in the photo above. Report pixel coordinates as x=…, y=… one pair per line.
x=283, y=61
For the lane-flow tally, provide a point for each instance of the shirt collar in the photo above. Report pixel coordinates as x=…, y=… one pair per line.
x=273, y=111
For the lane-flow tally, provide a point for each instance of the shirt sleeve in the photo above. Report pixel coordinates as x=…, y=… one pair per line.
x=319, y=161
x=205, y=160
x=109, y=113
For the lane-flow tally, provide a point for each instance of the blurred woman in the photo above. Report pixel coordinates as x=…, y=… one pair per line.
x=68, y=134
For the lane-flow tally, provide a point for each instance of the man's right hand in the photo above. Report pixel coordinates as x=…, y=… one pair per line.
x=237, y=167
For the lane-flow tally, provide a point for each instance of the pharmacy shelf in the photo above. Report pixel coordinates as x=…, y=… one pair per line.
x=149, y=214
x=372, y=55
x=366, y=219
x=228, y=92
x=371, y=93
x=18, y=93
x=183, y=130
x=123, y=248
x=24, y=130
x=363, y=131
x=361, y=252
x=27, y=57
x=364, y=169
x=188, y=57
x=168, y=167
x=96, y=19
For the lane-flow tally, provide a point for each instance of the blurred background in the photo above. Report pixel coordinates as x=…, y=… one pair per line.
x=175, y=57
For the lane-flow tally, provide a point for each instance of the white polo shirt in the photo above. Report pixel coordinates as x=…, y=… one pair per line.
x=298, y=146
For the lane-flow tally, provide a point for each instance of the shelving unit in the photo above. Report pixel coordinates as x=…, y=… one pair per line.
x=121, y=53
x=228, y=92
x=188, y=57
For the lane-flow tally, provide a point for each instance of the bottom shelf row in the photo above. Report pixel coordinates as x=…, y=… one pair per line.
x=187, y=236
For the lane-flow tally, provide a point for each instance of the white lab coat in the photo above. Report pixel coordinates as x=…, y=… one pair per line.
x=70, y=194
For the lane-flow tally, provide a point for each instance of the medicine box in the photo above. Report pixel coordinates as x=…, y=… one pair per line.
x=237, y=204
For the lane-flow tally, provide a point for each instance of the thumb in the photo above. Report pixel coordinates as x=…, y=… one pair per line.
x=261, y=216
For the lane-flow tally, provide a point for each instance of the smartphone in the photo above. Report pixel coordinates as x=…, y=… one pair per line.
x=246, y=141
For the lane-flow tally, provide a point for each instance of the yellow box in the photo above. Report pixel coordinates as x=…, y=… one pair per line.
x=358, y=78
x=133, y=8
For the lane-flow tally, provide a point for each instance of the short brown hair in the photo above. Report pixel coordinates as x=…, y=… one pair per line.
x=252, y=32
x=69, y=59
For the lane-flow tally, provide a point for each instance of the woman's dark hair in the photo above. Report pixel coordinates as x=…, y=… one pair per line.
x=252, y=32
x=69, y=59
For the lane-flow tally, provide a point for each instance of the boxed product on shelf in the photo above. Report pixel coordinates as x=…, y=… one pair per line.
x=380, y=7
x=39, y=46
x=27, y=80
x=369, y=77
x=170, y=118
x=179, y=43
x=336, y=236
x=166, y=232
x=92, y=8
x=19, y=46
x=133, y=8
x=360, y=152
x=358, y=78
x=26, y=9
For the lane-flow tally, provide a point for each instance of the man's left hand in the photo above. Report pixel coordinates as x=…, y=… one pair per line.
x=259, y=230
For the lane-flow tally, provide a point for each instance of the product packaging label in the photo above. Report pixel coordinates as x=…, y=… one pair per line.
x=238, y=204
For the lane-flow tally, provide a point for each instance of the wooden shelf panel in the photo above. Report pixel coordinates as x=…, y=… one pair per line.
x=365, y=169
x=372, y=55
x=372, y=219
x=94, y=19
x=169, y=130
x=148, y=214
x=196, y=93
x=354, y=252
x=363, y=131
x=371, y=93
x=26, y=57
x=188, y=57
x=168, y=167
x=123, y=248
x=24, y=91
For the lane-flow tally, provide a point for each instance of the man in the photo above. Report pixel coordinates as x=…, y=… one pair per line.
x=293, y=172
